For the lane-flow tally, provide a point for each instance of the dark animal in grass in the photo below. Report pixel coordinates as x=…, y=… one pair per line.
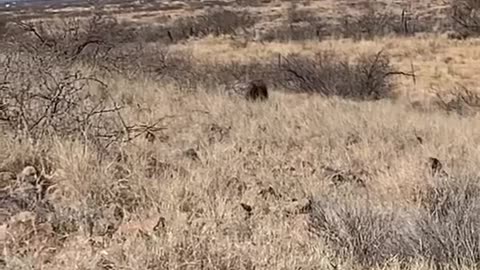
x=436, y=167
x=251, y=90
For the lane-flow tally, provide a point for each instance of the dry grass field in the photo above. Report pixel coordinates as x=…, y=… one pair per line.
x=119, y=148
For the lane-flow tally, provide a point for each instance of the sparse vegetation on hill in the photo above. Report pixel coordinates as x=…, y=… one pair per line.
x=250, y=135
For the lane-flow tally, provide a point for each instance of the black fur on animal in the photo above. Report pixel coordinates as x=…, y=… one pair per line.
x=251, y=90
x=257, y=90
x=436, y=167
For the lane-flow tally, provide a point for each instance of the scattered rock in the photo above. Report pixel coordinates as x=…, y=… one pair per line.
x=252, y=90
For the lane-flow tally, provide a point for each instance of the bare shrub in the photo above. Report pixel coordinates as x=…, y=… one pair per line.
x=300, y=24
x=39, y=98
x=223, y=21
x=190, y=73
x=43, y=97
x=296, y=15
x=366, y=78
x=98, y=41
x=72, y=39
x=133, y=60
x=108, y=47
x=226, y=73
x=327, y=73
x=466, y=20
x=375, y=22
x=367, y=26
x=214, y=22
x=308, y=29
x=152, y=33
x=182, y=69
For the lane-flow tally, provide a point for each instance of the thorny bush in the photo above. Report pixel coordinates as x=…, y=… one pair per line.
x=43, y=97
x=39, y=98
x=465, y=17
x=72, y=40
x=215, y=22
x=373, y=23
x=329, y=74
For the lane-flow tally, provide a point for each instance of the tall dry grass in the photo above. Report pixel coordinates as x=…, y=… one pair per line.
x=299, y=181
x=253, y=197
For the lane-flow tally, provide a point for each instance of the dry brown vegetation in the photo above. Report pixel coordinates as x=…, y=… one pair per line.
x=258, y=135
